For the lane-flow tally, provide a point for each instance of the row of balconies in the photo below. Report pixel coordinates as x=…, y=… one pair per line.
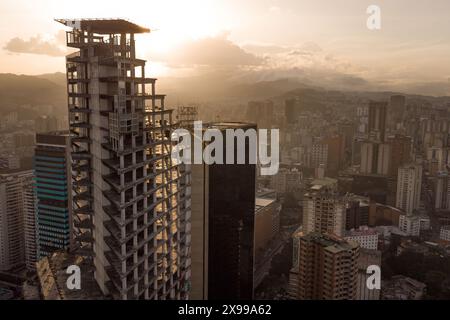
x=74, y=108
x=83, y=223
x=86, y=209
x=130, y=249
x=116, y=263
x=115, y=215
x=81, y=155
x=115, y=198
x=81, y=167
x=128, y=294
x=128, y=164
x=138, y=147
x=117, y=78
x=113, y=180
x=116, y=231
x=84, y=237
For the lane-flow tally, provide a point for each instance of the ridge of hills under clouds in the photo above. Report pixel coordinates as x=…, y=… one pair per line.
x=17, y=90
x=217, y=68
x=50, y=89
x=58, y=78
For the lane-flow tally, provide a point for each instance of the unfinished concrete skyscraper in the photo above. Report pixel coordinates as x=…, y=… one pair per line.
x=131, y=209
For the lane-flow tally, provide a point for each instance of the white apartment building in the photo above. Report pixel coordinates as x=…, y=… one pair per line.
x=375, y=157
x=324, y=211
x=445, y=233
x=14, y=200
x=319, y=154
x=409, y=185
x=365, y=236
x=410, y=225
x=29, y=220
x=286, y=180
x=442, y=193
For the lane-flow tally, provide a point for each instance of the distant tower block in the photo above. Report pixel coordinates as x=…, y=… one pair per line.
x=129, y=196
x=186, y=116
x=377, y=120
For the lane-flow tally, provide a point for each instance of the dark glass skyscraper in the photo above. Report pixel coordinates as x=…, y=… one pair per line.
x=223, y=212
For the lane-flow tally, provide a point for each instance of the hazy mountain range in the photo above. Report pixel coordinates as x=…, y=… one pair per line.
x=50, y=89
x=20, y=90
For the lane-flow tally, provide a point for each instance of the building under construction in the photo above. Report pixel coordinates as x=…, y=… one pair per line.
x=131, y=202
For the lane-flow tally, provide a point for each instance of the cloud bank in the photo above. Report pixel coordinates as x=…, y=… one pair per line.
x=54, y=46
x=218, y=59
x=216, y=51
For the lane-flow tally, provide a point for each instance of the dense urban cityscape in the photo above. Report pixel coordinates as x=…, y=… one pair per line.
x=94, y=205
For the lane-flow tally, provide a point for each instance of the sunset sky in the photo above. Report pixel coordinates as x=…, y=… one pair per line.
x=413, y=44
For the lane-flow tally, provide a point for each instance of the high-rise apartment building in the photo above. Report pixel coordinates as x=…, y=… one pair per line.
x=292, y=109
x=53, y=174
x=129, y=197
x=377, y=120
x=325, y=267
x=319, y=154
x=46, y=124
x=397, y=108
x=260, y=112
x=267, y=228
x=375, y=154
x=223, y=215
x=29, y=221
x=14, y=193
x=324, y=210
x=401, y=147
x=357, y=213
x=267, y=221
x=409, y=186
x=335, y=153
x=375, y=158
x=410, y=224
x=442, y=191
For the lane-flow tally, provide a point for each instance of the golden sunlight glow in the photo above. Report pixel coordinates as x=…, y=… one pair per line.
x=171, y=26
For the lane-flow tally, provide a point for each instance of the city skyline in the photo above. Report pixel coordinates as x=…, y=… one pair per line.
x=141, y=171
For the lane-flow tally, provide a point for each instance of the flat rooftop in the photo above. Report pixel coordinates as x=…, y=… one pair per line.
x=104, y=26
x=318, y=184
x=229, y=125
x=261, y=203
x=65, y=133
x=331, y=242
x=362, y=231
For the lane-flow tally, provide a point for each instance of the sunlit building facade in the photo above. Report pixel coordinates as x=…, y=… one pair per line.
x=129, y=197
